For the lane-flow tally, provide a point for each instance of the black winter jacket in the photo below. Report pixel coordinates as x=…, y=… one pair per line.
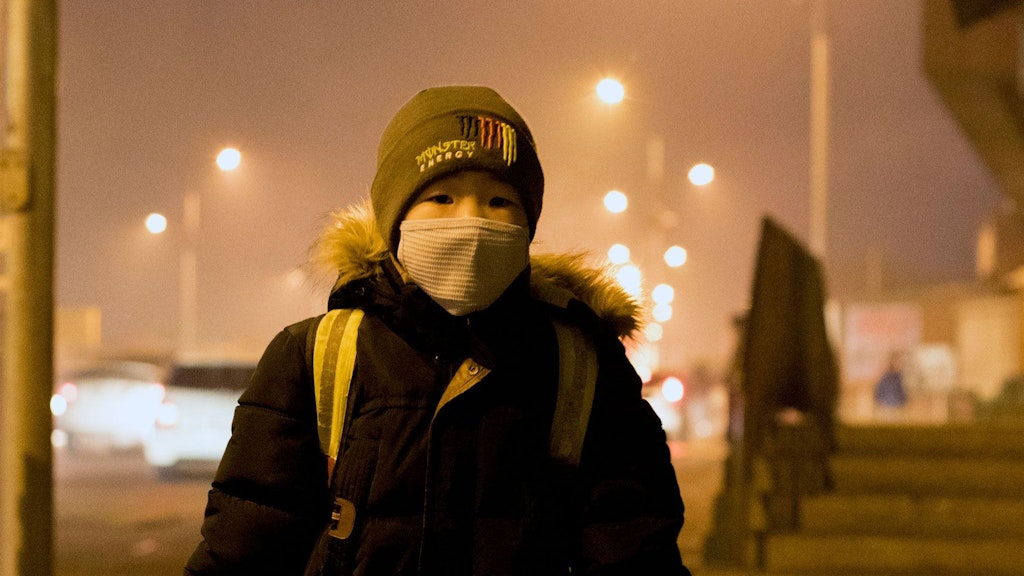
x=467, y=488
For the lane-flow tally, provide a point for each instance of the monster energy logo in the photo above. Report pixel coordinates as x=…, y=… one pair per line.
x=491, y=134
x=445, y=151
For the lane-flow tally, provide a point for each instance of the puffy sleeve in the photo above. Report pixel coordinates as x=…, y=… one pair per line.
x=633, y=512
x=269, y=500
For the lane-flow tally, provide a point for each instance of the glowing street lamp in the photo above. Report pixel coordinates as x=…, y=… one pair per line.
x=662, y=312
x=701, y=174
x=675, y=256
x=610, y=91
x=156, y=223
x=663, y=294
x=631, y=279
x=228, y=159
x=618, y=254
x=616, y=202
x=657, y=209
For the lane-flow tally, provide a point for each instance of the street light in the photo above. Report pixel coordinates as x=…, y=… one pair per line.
x=663, y=294
x=819, y=129
x=156, y=223
x=631, y=279
x=659, y=217
x=227, y=160
x=616, y=202
x=675, y=256
x=618, y=254
x=701, y=174
x=662, y=312
x=610, y=91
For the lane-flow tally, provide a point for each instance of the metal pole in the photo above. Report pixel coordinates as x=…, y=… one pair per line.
x=819, y=129
x=1020, y=53
x=26, y=228
x=189, y=288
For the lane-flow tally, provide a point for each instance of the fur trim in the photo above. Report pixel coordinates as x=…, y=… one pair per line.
x=351, y=248
x=593, y=285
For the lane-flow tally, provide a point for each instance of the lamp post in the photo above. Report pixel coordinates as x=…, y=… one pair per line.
x=657, y=210
x=227, y=160
x=819, y=130
x=189, y=278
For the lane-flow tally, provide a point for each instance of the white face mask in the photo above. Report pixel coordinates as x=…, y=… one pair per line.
x=463, y=264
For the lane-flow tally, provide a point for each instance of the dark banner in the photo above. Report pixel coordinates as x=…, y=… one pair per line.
x=788, y=362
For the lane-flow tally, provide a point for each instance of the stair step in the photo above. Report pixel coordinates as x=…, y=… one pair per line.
x=928, y=476
x=911, y=515
x=912, y=500
x=804, y=554
x=970, y=440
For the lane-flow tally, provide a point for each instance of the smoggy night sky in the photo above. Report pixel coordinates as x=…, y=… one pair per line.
x=150, y=91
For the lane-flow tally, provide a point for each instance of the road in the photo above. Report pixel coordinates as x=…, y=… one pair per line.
x=114, y=517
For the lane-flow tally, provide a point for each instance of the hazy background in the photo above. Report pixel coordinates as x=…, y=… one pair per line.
x=150, y=91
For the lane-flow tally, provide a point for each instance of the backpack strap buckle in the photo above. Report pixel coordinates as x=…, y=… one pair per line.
x=343, y=519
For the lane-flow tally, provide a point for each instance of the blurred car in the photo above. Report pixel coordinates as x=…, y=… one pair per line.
x=193, y=424
x=110, y=405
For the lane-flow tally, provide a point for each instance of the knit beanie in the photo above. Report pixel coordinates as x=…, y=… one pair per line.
x=444, y=130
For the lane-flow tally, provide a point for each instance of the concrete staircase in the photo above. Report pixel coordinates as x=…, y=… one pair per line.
x=913, y=501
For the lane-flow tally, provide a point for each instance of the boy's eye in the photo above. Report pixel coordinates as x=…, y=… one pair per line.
x=440, y=199
x=501, y=202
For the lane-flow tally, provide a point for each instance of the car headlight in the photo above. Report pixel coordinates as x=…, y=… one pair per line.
x=167, y=415
x=58, y=405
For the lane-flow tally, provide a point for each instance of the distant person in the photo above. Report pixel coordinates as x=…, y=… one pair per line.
x=890, y=393
x=452, y=459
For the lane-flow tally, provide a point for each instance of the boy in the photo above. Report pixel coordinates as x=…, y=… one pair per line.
x=449, y=462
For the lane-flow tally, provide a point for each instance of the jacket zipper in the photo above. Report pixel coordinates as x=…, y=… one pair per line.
x=448, y=369
x=440, y=369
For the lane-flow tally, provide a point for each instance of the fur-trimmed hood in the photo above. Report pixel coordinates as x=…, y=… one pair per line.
x=350, y=249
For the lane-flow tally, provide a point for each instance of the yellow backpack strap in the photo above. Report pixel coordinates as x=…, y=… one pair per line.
x=577, y=379
x=334, y=359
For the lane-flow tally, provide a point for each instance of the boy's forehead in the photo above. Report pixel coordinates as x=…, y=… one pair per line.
x=471, y=181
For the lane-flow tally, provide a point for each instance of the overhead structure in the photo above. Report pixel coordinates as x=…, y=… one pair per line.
x=974, y=56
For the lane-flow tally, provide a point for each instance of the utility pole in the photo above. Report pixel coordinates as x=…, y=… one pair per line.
x=27, y=177
x=189, y=276
x=819, y=129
